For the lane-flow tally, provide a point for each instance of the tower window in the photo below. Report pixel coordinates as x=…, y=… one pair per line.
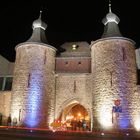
x=29, y=77
x=45, y=57
x=6, y=83
x=66, y=63
x=124, y=54
x=79, y=63
x=74, y=88
x=74, y=47
x=1, y=82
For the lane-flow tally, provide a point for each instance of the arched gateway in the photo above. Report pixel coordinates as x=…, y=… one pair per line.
x=79, y=83
x=75, y=116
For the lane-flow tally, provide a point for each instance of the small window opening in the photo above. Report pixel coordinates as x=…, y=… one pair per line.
x=66, y=63
x=79, y=63
x=74, y=47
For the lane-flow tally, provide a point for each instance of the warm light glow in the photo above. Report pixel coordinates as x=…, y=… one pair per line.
x=79, y=114
x=69, y=117
x=105, y=116
x=137, y=124
x=15, y=114
x=102, y=134
x=74, y=47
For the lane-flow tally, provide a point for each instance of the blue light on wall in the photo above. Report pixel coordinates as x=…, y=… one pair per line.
x=124, y=123
x=34, y=101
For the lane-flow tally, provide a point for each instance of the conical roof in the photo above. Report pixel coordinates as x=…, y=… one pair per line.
x=38, y=34
x=111, y=21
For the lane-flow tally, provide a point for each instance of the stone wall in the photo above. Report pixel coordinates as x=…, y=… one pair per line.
x=114, y=78
x=73, y=89
x=5, y=103
x=137, y=51
x=40, y=94
x=73, y=65
x=33, y=84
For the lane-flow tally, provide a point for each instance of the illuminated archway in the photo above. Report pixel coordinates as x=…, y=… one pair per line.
x=73, y=114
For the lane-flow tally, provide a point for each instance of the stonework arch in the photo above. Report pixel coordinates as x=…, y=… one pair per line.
x=68, y=105
x=72, y=101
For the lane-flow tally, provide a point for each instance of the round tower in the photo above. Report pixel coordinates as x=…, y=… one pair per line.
x=114, y=78
x=33, y=83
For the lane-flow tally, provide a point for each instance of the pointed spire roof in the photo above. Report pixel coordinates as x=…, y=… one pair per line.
x=38, y=34
x=39, y=23
x=111, y=21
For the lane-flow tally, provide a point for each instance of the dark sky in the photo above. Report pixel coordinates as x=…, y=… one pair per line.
x=67, y=20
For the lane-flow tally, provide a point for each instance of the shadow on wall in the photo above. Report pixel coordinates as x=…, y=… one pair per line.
x=0, y=118
x=138, y=77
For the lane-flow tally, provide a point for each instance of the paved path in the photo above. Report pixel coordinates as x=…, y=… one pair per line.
x=43, y=134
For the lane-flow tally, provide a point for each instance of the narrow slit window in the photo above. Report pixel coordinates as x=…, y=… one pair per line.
x=66, y=63
x=29, y=77
x=124, y=54
x=74, y=88
x=79, y=63
x=45, y=57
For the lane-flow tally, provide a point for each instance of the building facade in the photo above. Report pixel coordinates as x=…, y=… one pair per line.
x=94, y=82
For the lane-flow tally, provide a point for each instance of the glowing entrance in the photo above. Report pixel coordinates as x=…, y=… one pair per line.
x=76, y=117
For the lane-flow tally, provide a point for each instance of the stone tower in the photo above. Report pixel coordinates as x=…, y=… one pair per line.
x=114, y=78
x=33, y=84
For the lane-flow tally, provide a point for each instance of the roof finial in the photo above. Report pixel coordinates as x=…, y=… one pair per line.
x=40, y=14
x=109, y=6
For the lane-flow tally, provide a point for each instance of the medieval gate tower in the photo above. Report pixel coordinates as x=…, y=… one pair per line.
x=46, y=86
x=33, y=85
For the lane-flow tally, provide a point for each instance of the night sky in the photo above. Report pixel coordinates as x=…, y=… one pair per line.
x=79, y=20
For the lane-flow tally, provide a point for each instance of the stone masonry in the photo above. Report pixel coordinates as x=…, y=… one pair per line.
x=114, y=77
x=47, y=85
x=33, y=85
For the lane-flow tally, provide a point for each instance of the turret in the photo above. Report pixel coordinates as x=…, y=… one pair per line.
x=33, y=84
x=111, y=28
x=114, y=78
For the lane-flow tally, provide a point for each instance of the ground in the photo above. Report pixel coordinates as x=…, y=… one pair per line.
x=43, y=134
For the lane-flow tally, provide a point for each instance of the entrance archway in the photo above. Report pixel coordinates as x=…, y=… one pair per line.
x=76, y=117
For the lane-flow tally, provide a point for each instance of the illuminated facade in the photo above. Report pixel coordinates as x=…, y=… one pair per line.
x=98, y=81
